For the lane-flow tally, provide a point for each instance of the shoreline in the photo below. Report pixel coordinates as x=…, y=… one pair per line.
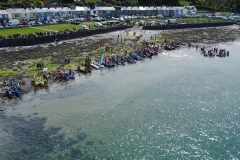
x=78, y=49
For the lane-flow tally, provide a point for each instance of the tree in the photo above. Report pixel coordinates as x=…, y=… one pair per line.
x=90, y=2
x=67, y=1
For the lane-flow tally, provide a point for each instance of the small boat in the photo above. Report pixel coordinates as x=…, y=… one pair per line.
x=70, y=75
x=84, y=69
x=99, y=65
x=39, y=81
x=15, y=89
x=137, y=56
x=94, y=65
x=169, y=48
x=9, y=94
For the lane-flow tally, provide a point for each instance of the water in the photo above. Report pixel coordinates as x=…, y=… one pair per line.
x=178, y=105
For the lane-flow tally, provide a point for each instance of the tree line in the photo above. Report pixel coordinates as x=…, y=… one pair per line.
x=212, y=5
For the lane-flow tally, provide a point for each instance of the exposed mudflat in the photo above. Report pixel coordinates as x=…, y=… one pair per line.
x=20, y=59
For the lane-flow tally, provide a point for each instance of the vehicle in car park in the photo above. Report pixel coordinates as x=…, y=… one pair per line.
x=97, y=24
x=97, y=19
x=23, y=23
x=1, y=26
x=173, y=21
x=160, y=16
x=54, y=21
x=103, y=19
x=62, y=20
x=121, y=19
x=115, y=18
x=83, y=19
x=84, y=27
x=77, y=22
x=106, y=23
x=32, y=23
x=13, y=22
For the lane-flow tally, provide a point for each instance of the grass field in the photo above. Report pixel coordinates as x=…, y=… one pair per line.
x=41, y=28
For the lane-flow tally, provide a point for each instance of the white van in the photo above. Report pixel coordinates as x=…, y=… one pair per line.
x=97, y=24
x=173, y=21
x=160, y=16
x=13, y=22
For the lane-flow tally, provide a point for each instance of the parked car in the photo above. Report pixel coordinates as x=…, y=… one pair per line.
x=32, y=23
x=121, y=19
x=160, y=16
x=97, y=19
x=1, y=26
x=24, y=23
x=103, y=19
x=106, y=23
x=83, y=19
x=97, y=24
x=84, y=27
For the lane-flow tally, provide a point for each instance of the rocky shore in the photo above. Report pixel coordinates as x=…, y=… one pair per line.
x=20, y=62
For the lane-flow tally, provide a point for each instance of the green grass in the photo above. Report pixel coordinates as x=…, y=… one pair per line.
x=202, y=20
x=31, y=68
x=223, y=13
x=23, y=30
x=9, y=72
x=58, y=27
x=184, y=3
x=42, y=28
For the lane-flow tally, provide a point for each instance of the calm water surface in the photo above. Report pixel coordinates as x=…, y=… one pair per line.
x=178, y=105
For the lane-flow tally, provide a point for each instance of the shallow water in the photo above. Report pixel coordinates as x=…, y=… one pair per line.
x=177, y=105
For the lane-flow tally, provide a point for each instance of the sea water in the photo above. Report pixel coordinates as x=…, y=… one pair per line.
x=177, y=105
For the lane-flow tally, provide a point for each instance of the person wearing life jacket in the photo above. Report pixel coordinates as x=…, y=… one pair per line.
x=7, y=88
x=18, y=86
x=4, y=83
x=70, y=71
x=58, y=72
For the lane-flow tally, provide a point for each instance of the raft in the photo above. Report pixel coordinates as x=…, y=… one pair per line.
x=39, y=81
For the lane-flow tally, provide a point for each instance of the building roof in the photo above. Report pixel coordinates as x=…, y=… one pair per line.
x=79, y=8
x=105, y=8
x=3, y=12
x=28, y=10
x=147, y=8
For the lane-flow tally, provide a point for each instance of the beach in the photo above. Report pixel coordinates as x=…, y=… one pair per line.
x=22, y=60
